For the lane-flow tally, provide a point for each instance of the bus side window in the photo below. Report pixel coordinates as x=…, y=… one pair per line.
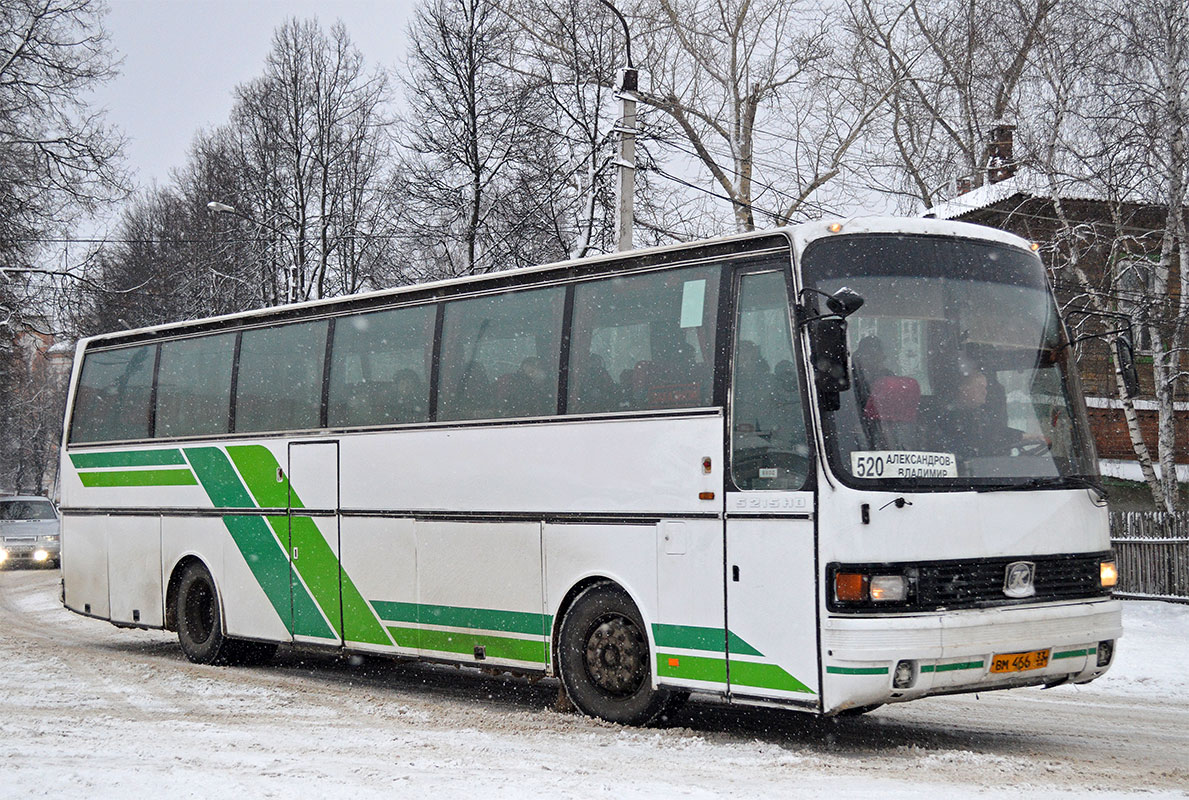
x=769, y=444
x=379, y=367
x=194, y=386
x=500, y=355
x=644, y=341
x=114, y=395
x=279, y=385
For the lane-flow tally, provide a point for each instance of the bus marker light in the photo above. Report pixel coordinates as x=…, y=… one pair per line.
x=1108, y=574
x=705, y=495
x=673, y=662
x=707, y=464
x=1035, y=246
x=850, y=587
x=835, y=227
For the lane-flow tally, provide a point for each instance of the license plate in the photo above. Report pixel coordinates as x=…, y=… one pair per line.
x=1020, y=662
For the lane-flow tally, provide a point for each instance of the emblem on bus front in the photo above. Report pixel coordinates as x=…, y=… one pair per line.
x=1018, y=579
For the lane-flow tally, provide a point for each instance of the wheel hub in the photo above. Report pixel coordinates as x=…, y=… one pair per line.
x=615, y=653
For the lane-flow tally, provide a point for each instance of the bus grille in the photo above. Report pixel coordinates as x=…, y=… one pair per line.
x=963, y=584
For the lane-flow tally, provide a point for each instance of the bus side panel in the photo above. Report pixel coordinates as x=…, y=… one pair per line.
x=84, y=564
x=380, y=555
x=134, y=570
x=604, y=467
x=479, y=594
x=690, y=626
x=624, y=553
x=247, y=610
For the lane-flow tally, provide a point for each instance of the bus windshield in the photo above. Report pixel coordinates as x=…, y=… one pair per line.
x=961, y=373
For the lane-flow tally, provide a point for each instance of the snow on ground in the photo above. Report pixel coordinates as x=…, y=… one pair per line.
x=90, y=711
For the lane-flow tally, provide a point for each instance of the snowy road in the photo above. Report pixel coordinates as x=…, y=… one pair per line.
x=90, y=711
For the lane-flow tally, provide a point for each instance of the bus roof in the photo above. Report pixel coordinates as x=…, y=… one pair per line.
x=800, y=235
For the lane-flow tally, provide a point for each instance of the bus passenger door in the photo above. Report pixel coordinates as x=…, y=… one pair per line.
x=314, y=571
x=770, y=548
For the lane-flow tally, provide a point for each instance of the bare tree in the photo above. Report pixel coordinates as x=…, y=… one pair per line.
x=313, y=149
x=470, y=136
x=58, y=158
x=757, y=98
x=952, y=70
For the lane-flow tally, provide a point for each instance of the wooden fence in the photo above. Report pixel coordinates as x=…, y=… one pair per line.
x=1152, y=553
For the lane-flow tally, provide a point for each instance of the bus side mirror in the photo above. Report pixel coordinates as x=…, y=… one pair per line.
x=827, y=336
x=1125, y=355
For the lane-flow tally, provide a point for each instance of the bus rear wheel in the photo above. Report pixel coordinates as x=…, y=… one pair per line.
x=604, y=658
x=200, y=624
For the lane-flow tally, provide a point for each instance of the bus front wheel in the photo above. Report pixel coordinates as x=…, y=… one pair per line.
x=604, y=659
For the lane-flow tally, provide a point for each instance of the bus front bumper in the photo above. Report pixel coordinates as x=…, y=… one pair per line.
x=882, y=659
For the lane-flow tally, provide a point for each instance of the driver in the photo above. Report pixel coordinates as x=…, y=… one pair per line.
x=968, y=426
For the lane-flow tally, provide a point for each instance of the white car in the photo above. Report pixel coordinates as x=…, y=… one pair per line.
x=29, y=531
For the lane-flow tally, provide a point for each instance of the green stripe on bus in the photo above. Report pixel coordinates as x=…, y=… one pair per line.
x=1074, y=653
x=857, y=670
x=128, y=458
x=750, y=674
x=460, y=617
x=692, y=637
x=317, y=564
x=259, y=467
x=260, y=548
x=465, y=643
x=691, y=668
x=138, y=477
x=764, y=676
x=959, y=666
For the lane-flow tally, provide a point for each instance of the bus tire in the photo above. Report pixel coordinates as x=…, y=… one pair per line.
x=199, y=619
x=604, y=659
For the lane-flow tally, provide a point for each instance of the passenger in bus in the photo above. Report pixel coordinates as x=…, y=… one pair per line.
x=410, y=397
x=755, y=400
x=594, y=390
x=525, y=392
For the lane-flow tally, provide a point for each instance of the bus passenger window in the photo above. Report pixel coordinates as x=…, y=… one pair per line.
x=279, y=384
x=644, y=341
x=113, y=395
x=769, y=444
x=379, y=367
x=194, y=386
x=500, y=355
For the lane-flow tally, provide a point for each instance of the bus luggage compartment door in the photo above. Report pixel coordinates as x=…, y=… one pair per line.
x=313, y=546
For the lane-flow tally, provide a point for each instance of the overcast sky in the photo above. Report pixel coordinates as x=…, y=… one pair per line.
x=182, y=60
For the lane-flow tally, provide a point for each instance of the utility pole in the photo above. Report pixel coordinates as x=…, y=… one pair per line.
x=625, y=187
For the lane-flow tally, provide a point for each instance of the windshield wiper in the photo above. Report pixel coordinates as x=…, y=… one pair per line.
x=1059, y=482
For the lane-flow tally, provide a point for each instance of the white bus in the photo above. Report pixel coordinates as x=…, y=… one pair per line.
x=827, y=467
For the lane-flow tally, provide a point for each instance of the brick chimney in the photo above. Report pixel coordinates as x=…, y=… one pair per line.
x=1001, y=163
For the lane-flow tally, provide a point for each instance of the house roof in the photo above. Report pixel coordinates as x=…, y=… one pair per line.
x=1025, y=183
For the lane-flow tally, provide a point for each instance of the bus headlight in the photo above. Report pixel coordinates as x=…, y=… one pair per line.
x=889, y=588
x=1108, y=574
x=861, y=587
